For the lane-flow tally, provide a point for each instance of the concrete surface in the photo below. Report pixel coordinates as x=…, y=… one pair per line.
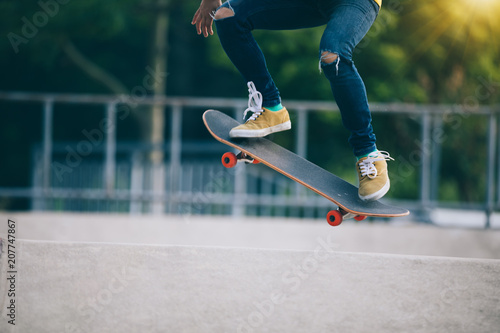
x=121, y=273
x=99, y=287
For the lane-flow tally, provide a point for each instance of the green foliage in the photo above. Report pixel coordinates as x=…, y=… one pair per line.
x=426, y=51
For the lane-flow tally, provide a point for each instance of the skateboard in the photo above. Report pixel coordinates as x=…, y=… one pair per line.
x=260, y=150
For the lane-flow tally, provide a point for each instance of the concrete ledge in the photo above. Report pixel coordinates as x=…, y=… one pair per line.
x=99, y=287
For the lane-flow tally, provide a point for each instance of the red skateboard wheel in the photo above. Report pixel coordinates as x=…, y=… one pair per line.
x=334, y=218
x=360, y=217
x=229, y=160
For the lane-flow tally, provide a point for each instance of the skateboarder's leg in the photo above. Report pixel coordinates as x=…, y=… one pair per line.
x=235, y=21
x=349, y=21
x=348, y=24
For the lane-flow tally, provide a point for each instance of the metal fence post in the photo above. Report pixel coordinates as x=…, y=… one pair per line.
x=425, y=171
x=490, y=169
x=240, y=180
x=175, y=155
x=301, y=136
x=498, y=160
x=301, y=148
x=136, y=184
x=435, y=160
x=110, y=154
x=48, y=109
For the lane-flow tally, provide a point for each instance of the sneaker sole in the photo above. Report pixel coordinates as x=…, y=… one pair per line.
x=377, y=195
x=260, y=133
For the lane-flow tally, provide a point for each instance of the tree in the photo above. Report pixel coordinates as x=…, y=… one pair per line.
x=42, y=32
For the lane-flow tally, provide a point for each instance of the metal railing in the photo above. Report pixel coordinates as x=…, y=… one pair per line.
x=228, y=191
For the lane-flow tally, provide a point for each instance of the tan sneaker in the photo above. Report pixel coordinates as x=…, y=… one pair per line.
x=263, y=121
x=373, y=175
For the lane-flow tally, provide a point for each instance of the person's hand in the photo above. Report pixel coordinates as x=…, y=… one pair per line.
x=203, y=17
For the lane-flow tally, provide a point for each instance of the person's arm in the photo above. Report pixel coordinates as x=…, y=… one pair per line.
x=203, y=17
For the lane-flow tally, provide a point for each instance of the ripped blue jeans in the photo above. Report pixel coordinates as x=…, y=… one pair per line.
x=347, y=22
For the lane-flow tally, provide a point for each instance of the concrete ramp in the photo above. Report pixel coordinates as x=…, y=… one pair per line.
x=100, y=287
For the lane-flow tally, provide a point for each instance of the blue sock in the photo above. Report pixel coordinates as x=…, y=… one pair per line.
x=274, y=108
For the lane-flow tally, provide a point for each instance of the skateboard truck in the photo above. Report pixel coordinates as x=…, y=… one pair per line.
x=335, y=217
x=230, y=159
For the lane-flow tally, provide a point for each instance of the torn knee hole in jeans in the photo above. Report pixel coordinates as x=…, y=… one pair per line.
x=223, y=13
x=328, y=58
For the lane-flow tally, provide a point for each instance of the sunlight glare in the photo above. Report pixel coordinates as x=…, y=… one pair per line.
x=478, y=13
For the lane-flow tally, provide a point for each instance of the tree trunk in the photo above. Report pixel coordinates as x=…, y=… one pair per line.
x=157, y=112
x=159, y=87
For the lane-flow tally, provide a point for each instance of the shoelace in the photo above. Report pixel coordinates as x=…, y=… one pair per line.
x=254, y=102
x=367, y=167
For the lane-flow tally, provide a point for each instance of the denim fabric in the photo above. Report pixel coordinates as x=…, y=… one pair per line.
x=347, y=22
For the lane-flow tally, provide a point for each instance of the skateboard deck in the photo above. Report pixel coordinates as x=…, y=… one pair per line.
x=343, y=194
